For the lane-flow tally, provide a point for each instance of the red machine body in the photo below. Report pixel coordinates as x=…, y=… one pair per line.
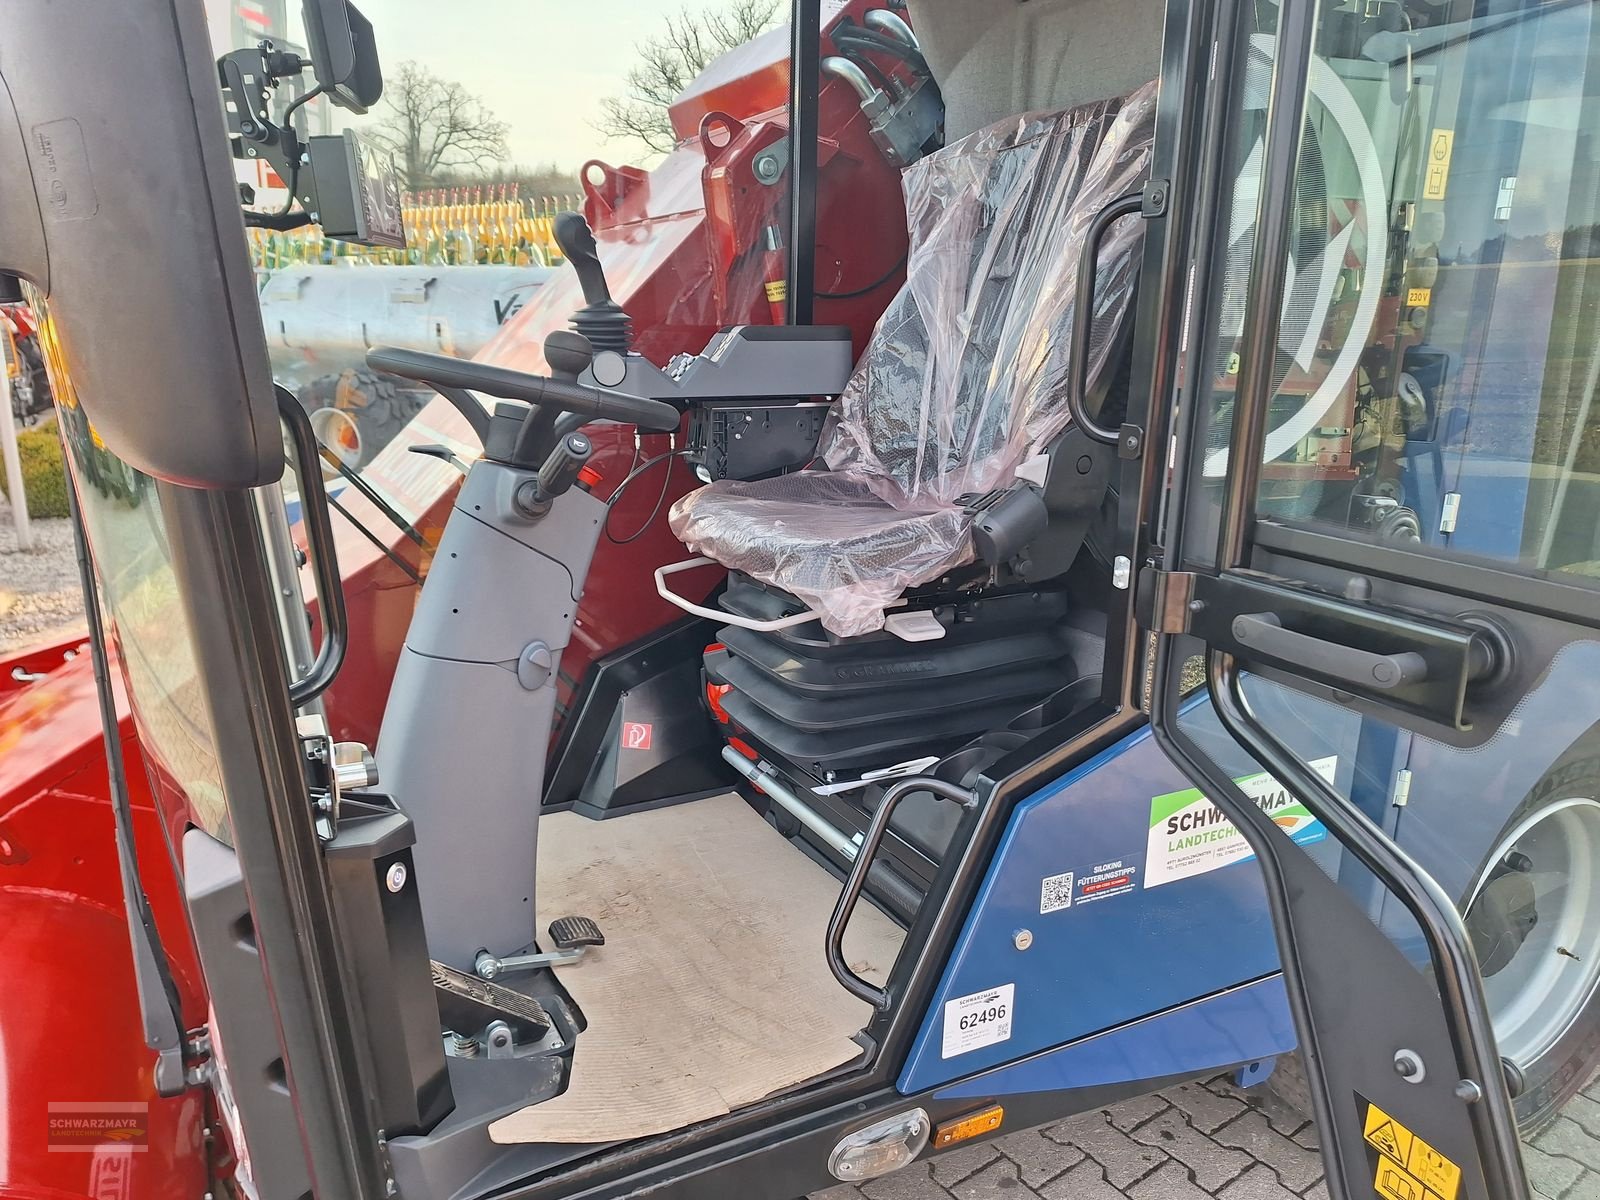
x=689, y=247
x=69, y=1018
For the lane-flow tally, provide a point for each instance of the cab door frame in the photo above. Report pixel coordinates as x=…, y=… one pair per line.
x=1481, y=630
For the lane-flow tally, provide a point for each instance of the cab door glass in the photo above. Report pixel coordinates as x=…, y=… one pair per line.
x=1433, y=389
x=1437, y=359
x=663, y=123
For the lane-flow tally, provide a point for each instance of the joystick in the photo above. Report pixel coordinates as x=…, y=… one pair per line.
x=601, y=319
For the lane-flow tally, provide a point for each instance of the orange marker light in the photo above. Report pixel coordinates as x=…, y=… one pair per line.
x=976, y=1125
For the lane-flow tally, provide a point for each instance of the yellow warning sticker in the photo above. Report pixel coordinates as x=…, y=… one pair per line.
x=1434, y=1169
x=777, y=291
x=1436, y=174
x=1408, y=1168
x=1396, y=1183
x=1387, y=1135
x=1419, y=297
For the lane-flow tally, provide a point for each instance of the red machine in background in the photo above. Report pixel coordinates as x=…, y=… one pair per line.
x=689, y=247
x=21, y=360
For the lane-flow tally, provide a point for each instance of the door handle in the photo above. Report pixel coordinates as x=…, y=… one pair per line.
x=1264, y=632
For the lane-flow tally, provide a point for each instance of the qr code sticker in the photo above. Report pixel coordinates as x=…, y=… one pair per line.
x=1056, y=893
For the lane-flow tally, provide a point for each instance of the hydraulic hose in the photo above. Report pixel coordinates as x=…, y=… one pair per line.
x=860, y=38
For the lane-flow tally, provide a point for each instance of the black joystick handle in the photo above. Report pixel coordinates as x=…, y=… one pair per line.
x=601, y=319
x=577, y=244
x=560, y=471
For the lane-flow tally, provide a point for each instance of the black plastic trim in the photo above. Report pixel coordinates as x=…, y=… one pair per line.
x=805, y=62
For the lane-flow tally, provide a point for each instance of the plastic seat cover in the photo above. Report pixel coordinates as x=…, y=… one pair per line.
x=964, y=377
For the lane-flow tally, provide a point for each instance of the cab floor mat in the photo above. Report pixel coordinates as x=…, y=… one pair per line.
x=711, y=990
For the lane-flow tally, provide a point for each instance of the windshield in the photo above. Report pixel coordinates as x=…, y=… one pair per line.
x=665, y=125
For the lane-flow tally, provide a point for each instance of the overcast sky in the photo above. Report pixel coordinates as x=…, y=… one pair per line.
x=543, y=66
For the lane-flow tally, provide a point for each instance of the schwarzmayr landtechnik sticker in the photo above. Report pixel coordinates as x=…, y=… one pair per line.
x=1190, y=836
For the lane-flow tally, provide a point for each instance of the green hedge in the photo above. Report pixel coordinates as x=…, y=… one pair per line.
x=44, y=475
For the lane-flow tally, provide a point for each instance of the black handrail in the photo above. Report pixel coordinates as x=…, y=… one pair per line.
x=319, y=545
x=1083, y=317
x=1466, y=1010
x=857, y=879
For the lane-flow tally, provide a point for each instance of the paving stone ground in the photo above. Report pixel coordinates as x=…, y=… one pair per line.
x=1198, y=1141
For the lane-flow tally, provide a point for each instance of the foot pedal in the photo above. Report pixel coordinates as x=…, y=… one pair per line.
x=570, y=940
x=573, y=933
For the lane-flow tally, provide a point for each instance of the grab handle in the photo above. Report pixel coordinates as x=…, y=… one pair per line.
x=1265, y=634
x=320, y=550
x=1083, y=317
x=857, y=879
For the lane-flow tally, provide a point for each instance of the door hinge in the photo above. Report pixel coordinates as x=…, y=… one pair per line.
x=1449, y=512
x=1402, y=787
x=1130, y=442
x=1164, y=599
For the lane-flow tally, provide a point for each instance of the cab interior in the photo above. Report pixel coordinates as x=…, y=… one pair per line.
x=927, y=596
x=716, y=900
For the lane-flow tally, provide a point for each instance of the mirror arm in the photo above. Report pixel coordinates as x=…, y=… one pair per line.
x=277, y=221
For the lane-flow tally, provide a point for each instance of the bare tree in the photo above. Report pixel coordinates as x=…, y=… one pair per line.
x=435, y=127
x=669, y=62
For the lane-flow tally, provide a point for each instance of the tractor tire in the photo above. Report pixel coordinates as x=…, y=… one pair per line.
x=1533, y=914
x=358, y=412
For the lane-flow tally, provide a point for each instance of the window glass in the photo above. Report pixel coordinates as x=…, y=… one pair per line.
x=666, y=125
x=1437, y=352
x=661, y=122
x=149, y=625
x=1432, y=386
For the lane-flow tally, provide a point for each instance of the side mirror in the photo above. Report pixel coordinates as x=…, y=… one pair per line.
x=152, y=302
x=344, y=54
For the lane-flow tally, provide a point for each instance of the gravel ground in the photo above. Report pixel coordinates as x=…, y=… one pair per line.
x=39, y=594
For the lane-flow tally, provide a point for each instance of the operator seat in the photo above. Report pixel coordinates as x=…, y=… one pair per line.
x=962, y=386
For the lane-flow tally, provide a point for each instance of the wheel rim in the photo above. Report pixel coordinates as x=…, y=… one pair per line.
x=337, y=430
x=1534, y=918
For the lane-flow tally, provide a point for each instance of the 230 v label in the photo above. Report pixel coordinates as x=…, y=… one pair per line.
x=981, y=1019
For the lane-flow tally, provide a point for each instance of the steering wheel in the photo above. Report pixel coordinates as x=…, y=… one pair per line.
x=456, y=379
